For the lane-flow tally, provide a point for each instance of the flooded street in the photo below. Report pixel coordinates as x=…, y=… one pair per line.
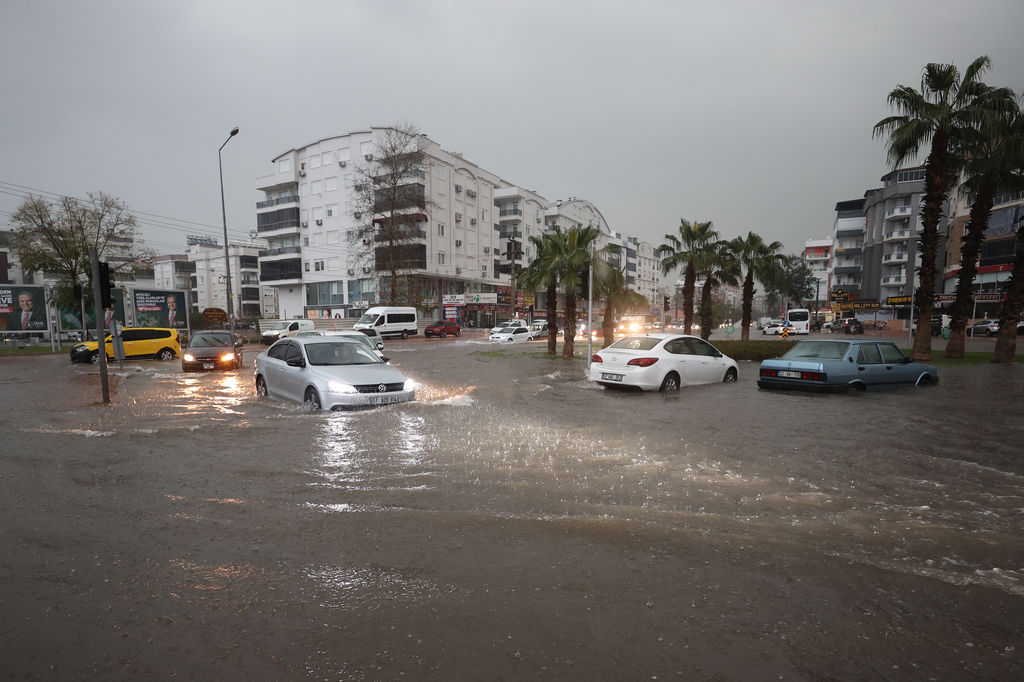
x=515, y=522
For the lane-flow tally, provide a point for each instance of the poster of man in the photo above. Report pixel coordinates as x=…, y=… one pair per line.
x=22, y=308
x=71, y=318
x=161, y=309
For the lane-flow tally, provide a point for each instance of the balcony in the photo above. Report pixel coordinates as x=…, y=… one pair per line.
x=847, y=232
x=894, y=281
x=849, y=251
x=894, y=258
x=280, y=271
x=511, y=234
x=846, y=270
x=293, y=199
x=510, y=215
x=280, y=251
x=896, y=236
x=816, y=256
x=898, y=213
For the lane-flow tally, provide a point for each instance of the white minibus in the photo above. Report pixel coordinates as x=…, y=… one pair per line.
x=800, y=320
x=389, y=321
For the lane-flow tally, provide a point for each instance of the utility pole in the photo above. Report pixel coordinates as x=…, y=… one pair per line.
x=101, y=332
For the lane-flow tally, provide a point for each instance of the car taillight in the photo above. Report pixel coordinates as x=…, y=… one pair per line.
x=813, y=376
x=642, y=362
x=596, y=358
x=769, y=373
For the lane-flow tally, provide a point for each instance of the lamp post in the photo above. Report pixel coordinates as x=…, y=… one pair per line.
x=224, y=215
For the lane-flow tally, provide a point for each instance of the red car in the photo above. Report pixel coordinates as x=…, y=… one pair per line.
x=443, y=328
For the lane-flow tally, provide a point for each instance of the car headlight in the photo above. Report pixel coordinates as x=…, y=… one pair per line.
x=227, y=357
x=409, y=385
x=339, y=387
x=188, y=357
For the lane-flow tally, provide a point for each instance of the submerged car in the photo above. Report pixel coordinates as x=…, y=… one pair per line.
x=773, y=327
x=212, y=350
x=843, y=365
x=443, y=328
x=508, y=324
x=159, y=343
x=510, y=335
x=661, y=362
x=329, y=373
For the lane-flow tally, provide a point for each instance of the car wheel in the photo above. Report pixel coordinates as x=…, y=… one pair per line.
x=670, y=383
x=730, y=376
x=312, y=400
x=95, y=358
x=405, y=334
x=261, y=387
x=165, y=354
x=458, y=332
x=443, y=333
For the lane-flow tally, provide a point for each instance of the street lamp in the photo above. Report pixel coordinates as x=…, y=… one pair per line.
x=224, y=215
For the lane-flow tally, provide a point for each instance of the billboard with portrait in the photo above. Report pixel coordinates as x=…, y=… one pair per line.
x=22, y=308
x=160, y=308
x=71, y=318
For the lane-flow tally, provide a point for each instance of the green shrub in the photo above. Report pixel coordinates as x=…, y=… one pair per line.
x=754, y=350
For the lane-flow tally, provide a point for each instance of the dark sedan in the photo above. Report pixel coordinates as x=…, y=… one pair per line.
x=209, y=350
x=443, y=328
x=843, y=365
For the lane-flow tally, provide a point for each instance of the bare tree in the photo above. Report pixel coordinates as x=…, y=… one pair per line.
x=391, y=203
x=57, y=237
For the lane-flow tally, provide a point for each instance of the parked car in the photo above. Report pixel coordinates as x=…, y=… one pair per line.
x=829, y=365
x=511, y=335
x=283, y=328
x=208, y=350
x=852, y=325
x=329, y=373
x=815, y=325
x=357, y=336
x=508, y=323
x=661, y=362
x=984, y=328
x=158, y=343
x=443, y=328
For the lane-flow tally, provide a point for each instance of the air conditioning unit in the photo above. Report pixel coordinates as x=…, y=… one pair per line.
x=351, y=271
x=368, y=157
x=357, y=215
x=367, y=268
x=458, y=271
x=305, y=224
x=538, y=219
x=319, y=221
x=487, y=249
x=342, y=163
x=472, y=221
x=458, y=217
x=458, y=188
x=367, y=241
x=458, y=242
x=302, y=173
x=470, y=193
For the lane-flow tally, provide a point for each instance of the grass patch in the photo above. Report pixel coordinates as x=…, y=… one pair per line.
x=755, y=351
x=25, y=350
x=939, y=358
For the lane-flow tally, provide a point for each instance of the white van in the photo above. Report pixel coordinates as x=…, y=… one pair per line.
x=799, y=320
x=284, y=328
x=389, y=321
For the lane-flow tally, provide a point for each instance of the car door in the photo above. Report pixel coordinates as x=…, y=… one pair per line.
x=870, y=368
x=895, y=363
x=273, y=368
x=681, y=360
x=293, y=379
x=705, y=362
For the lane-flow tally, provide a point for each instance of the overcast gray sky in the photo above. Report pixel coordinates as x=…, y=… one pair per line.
x=756, y=115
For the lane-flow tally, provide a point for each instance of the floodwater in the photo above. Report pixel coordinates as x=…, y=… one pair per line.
x=514, y=523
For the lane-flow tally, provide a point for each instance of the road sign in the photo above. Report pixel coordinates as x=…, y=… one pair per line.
x=730, y=329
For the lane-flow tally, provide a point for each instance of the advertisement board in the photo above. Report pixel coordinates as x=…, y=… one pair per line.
x=22, y=308
x=160, y=308
x=71, y=318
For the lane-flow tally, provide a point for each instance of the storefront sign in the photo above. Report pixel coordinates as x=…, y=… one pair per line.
x=453, y=299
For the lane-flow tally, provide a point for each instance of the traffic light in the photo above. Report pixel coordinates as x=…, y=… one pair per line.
x=667, y=304
x=584, y=283
x=106, y=287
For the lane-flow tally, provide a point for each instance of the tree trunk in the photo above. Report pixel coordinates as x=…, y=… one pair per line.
x=608, y=323
x=552, y=296
x=706, y=318
x=973, y=238
x=1009, y=313
x=748, y=304
x=689, y=284
x=936, y=183
x=569, y=342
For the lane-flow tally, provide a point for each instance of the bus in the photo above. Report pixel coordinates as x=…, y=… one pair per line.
x=800, y=320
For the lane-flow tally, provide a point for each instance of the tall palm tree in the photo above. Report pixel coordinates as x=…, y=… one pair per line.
x=679, y=251
x=717, y=265
x=757, y=256
x=574, y=256
x=992, y=160
x=618, y=298
x=1013, y=304
x=544, y=273
x=942, y=113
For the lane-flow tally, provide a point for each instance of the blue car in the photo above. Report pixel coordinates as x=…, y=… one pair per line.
x=843, y=365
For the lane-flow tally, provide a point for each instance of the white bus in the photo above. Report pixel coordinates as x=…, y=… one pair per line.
x=800, y=320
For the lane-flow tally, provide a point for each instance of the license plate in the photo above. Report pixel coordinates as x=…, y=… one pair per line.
x=610, y=377
x=789, y=375
x=383, y=400
x=207, y=365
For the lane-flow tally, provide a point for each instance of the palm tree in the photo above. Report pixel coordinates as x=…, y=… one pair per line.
x=679, y=251
x=1013, y=304
x=757, y=257
x=611, y=287
x=717, y=265
x=991, y=161
x=544, y=273
x=942, y=113
x=573, y=256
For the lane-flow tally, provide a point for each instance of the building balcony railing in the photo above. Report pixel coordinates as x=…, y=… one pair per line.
x=281, y=250
x=894, y=280
x=816, y=256
x=293, y=199
x=846, y=269
x=896, y=236
x=845, y=232
x=849, y=251
x=898, y=213
x=509, y=212
x=894, y=258
x=511, y=234
x=291, y=225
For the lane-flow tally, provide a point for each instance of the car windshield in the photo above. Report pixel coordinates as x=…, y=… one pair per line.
x=342, y=353
x=636, y=343
x=281, y=325
x=367, y=319
x=823, y=350
x=202, y=339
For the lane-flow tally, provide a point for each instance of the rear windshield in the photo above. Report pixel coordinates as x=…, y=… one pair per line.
x=636, y=343
x=342, y=353
x=823, y=350
x=799, y=315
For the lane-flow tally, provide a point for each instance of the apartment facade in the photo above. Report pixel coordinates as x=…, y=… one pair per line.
x=892, y=228
x=207, y=283
x=847, y=258
x=817, y=255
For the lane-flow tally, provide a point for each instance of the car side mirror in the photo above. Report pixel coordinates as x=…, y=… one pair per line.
x=385, y=359
x=296, y=362
x=380, y=346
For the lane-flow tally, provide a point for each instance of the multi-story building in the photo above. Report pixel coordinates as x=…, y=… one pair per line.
x=817, y=255
x=892, y=226
x=208, y=282
x=847, y=252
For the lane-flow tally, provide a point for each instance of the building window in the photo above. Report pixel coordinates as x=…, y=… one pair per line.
x=331, y=184
x=332, y=264
x=483, y=270
x=331, y=210
x=328, y=158
x=315, y=187
x=440, y=229
x=318, y=265
x=440, y=257
x=305, y=266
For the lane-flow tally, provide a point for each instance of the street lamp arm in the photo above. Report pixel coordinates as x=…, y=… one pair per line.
x=224, y=216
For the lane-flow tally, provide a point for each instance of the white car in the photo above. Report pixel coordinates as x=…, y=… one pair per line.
x=511, y=335
x=358, y=336
x=661, y=362
x=329, y=373
x=538, y=331
x=773, y=327
x=509, y=324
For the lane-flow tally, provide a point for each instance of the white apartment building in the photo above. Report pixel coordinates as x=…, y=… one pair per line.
x=208, y=282
x=846, y=264
x=817, y=256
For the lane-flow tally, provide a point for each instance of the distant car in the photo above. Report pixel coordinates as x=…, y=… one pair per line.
x=443, y=328
x=773, y=327
x=829, y=365
x=208, y=350
x=815, y=325
x=852, y=325
x=984, y=328
x=661, y=362
x=329, y=373
x=511, y=335
x=507, y=324
x=538, y=330
x=159, y=343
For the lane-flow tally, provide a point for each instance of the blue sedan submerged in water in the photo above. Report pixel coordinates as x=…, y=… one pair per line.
x=842, y=365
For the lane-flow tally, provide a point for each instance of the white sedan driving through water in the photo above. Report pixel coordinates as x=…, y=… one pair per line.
x=661, y=362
